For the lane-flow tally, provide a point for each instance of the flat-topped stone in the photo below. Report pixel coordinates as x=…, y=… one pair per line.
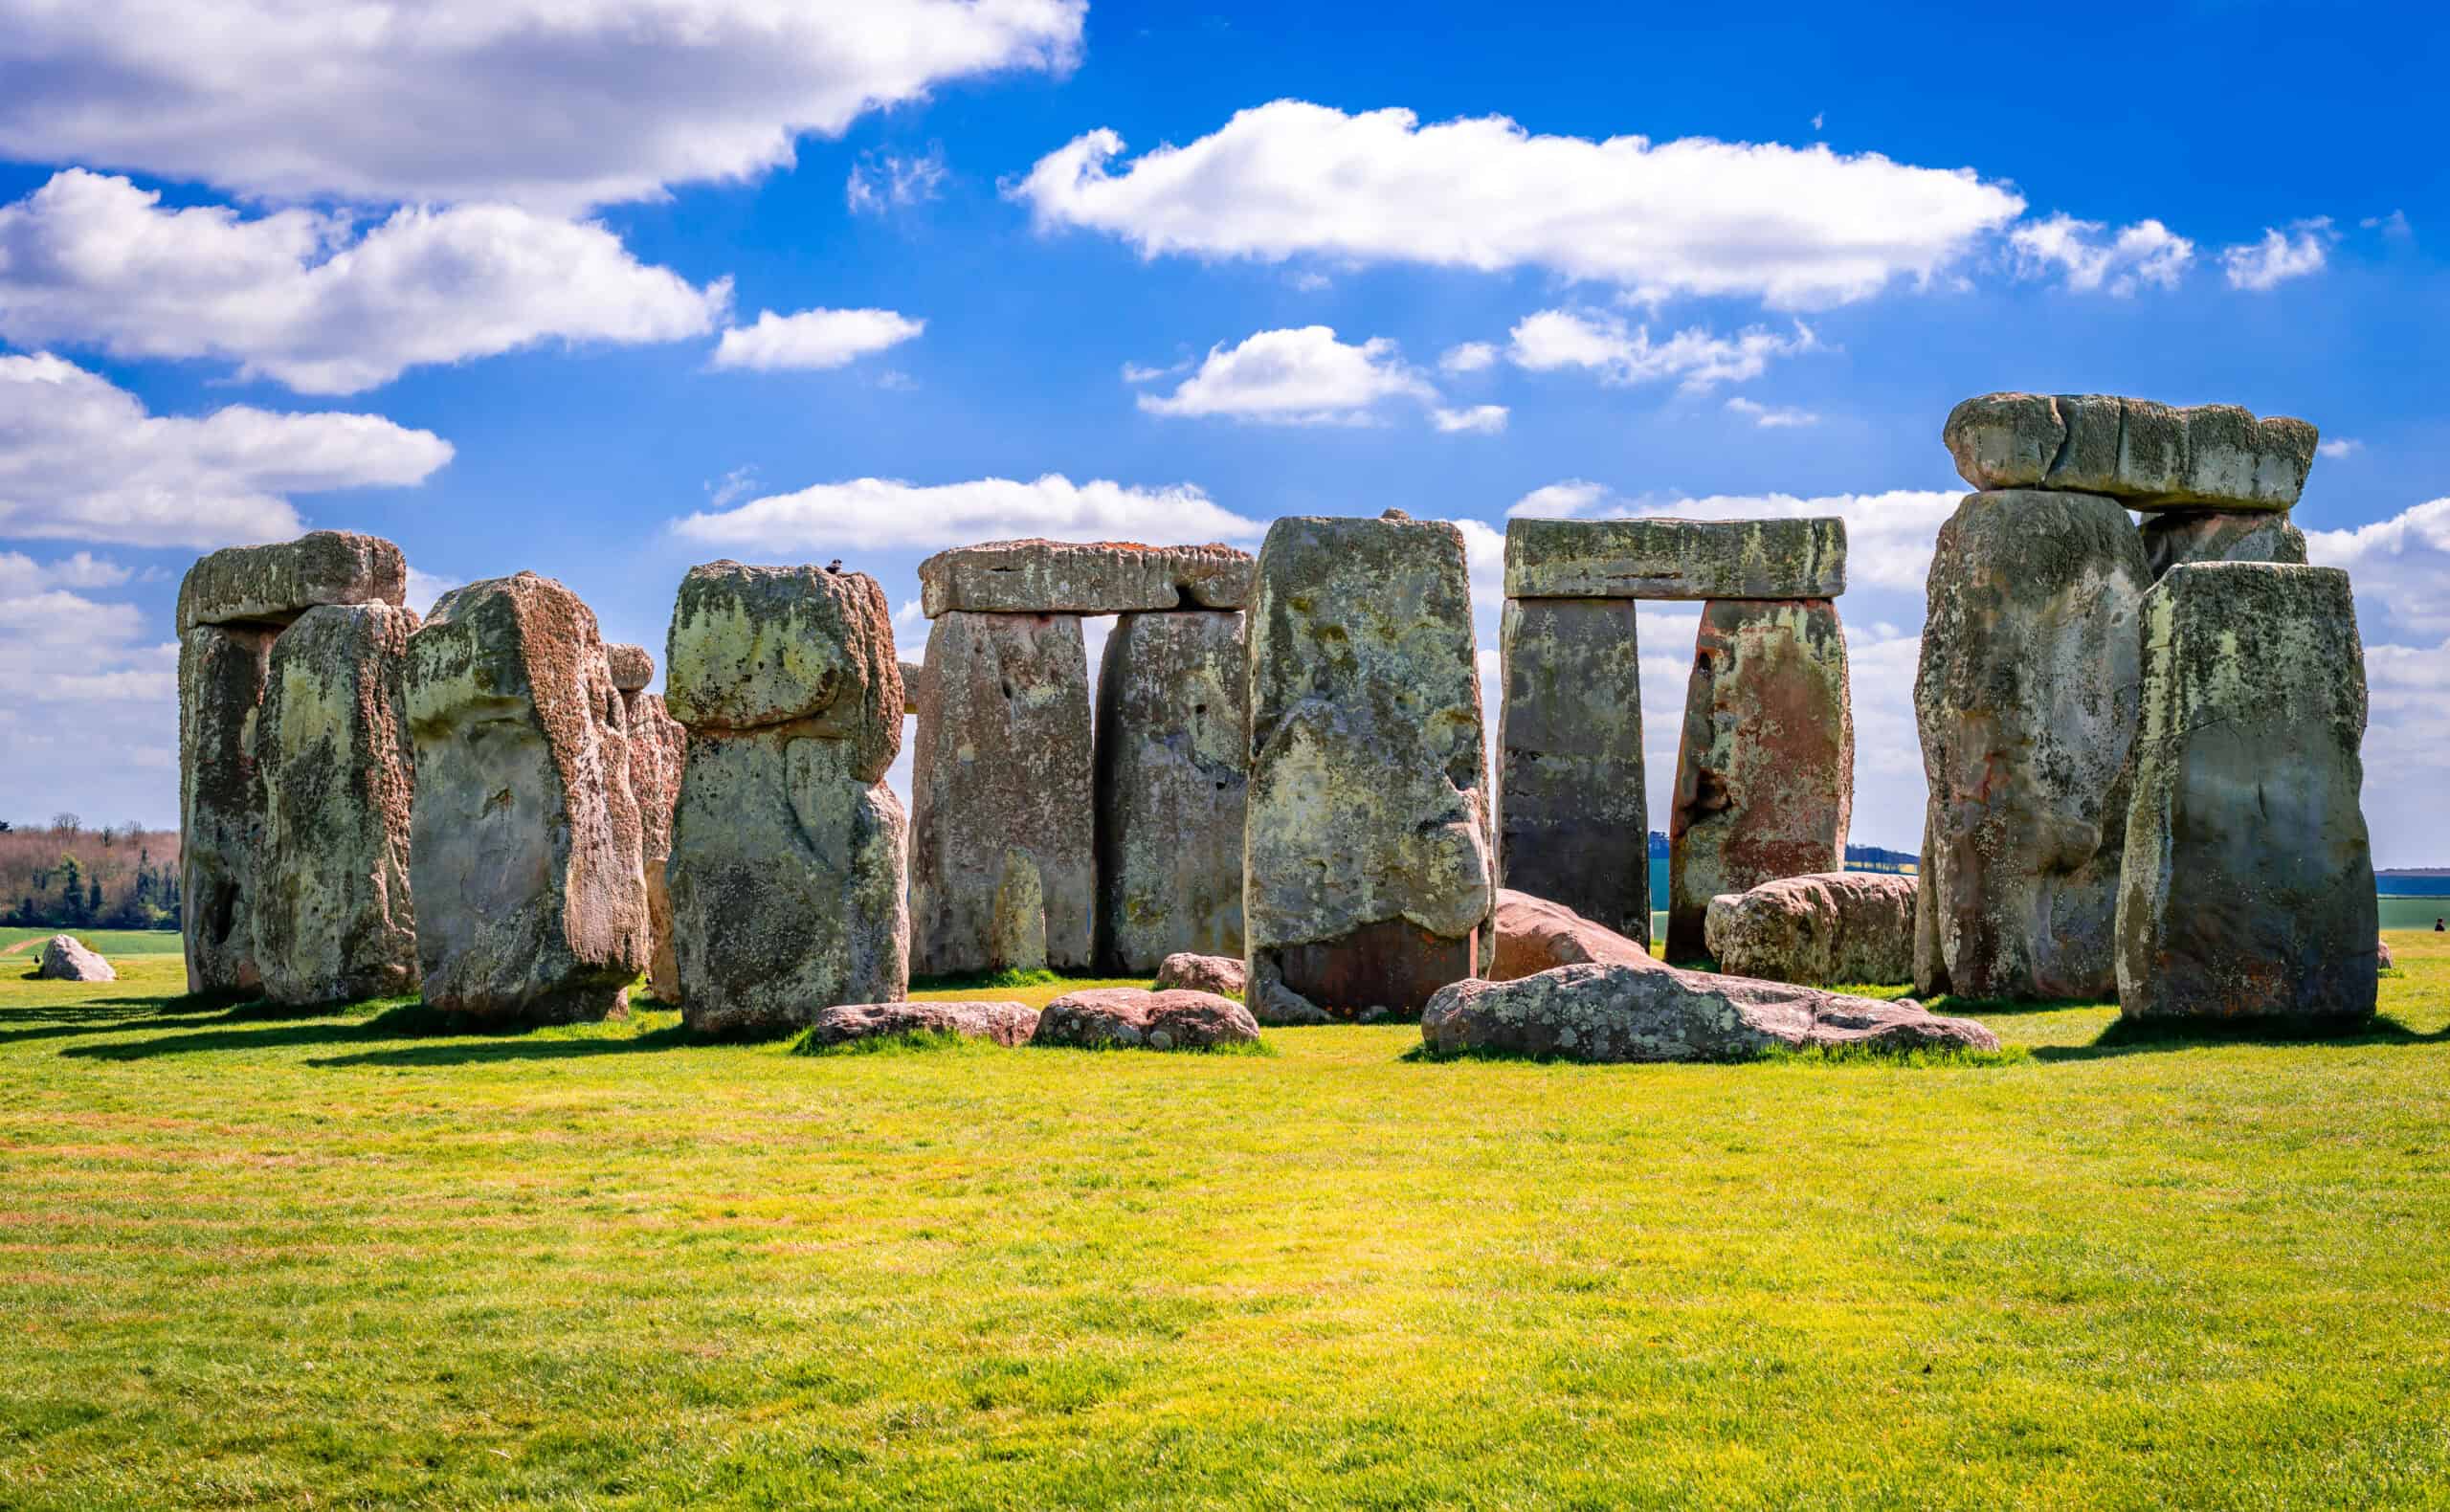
x=1005, y=1023
x=2146, y=456
x=754, y=646
x=1676, y=559
x=632, y=667
x=1831, y=927
x=276, y=583
x=1066, y=577
x=1129, y=1017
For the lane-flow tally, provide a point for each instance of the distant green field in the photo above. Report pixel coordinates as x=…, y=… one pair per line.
x=2412, y=913
x=109, y=941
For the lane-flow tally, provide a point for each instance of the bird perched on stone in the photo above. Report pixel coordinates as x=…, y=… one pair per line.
x=834, y=567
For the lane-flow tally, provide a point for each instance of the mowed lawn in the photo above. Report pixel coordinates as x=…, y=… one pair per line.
x=346, y=1261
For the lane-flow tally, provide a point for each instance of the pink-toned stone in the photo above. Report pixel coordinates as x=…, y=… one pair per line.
x=1535, y=934
x=1832, y=926
x=1002, y=1022
x=1219, y=974
x=1129, y=1017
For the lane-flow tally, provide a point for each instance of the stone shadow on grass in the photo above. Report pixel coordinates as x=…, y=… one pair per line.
x=323, y=1025
x=2127, y=1036
x=120, y=1016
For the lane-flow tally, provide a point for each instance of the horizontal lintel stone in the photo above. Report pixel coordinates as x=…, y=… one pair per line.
x=1676, y=559
x=1064, y=577
x=276, y=583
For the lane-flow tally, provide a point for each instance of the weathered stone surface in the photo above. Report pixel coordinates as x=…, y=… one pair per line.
x=1654, y=1012
x=1004, y=1023
x=1676, y=559
x=1764, y=774
x=1003, y=860
x=658, y=749
x=2382, y=955
x=2027, y=702
x=1368, y=873
x=755, y=647
x=1066, y=577
x=334, y=918
x=1531, y=935
x=2146, y=456
x=1171, y=759
x=222, y=673
x=65, y=959
x=524, y=830
x=632, y=667
x=911, y=673
x=1219, y=974
x=1836, y=927
x=786, y=881
x=2248, y=888
x=273, y=584
x=1127, y=1017
x=1573, y=815
x=2182, y=536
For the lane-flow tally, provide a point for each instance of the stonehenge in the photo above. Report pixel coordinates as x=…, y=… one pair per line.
x=1765, y=768
x=1002, y=1023
x=1367, y=872
x=786, y=848
x=524, y=830
x=1134, y=1018
x=1834, y=926
x=657, y=748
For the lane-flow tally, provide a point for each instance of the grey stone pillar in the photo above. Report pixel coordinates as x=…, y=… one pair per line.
x=1573, y=814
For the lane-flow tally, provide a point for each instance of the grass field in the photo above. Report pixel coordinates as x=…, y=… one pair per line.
x=344, y=1260
x=109, y=941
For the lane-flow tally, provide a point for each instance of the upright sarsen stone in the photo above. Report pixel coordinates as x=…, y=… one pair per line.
x=1003, y=852
x=334, y=919
x=2027, y=701
x=787, y=847
x=1574, y=815
x=1368, y=875
x=524, y=830
x=222, y=673
x=2248, y=887
x=659, y=746
x=1171, y=765
x=1765, y=774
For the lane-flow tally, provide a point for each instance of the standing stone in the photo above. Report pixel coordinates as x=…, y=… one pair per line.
x=524, y=830
x=1368, y=875
x=2027, y=700
x=1765, y=775
x=334, y=919
x=222, y=673
x=787, y=847
x=2177, y=538
x=2248, y=889
x=659, y=748
x=1574, y=815
x=1172, y=762
x=1002, y=859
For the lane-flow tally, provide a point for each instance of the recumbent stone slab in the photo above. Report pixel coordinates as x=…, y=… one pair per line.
x=2146, y=456
x=1676, y=559
x=1765, y=772
x=1534, y=935
x=756, y=647
x=2248, y=889
x=1064, y=577
x=222, y=673
x=1833, y=926
x=276, y=583
x=525, y=828
x=1172, y=764
x=1572, y=810
x=334, y=915
x=1004, y=1023
x=1002, y=859
x=2027, y=700
x=1368, y=848
x=1219, y=974
x=1129, y=1017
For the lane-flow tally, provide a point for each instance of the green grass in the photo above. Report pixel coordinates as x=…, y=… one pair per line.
x=109, y=941
x=343, y=1260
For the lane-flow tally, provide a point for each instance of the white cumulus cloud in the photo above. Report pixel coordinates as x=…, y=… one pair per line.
x=2087, y=257
x=1771, y=417
x=2260, y=266
x=1301, y=376
x=877, y=514
x=2400, y=567
x=1479, y=419
x=557, y=105
x=1602, y=342
x=81, y=460
x=1796, y=227
x=1467, y=357
x=2341, y=449
x=813, y=339
x=314, y=302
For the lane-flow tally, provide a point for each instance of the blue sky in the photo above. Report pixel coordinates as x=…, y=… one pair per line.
x=511, y=240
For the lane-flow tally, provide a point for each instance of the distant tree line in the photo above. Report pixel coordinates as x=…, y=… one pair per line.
x=67, y=876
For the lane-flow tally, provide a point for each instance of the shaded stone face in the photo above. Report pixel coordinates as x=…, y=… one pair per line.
x=1655, y=1012
x=2027, y=701
x=659, y=746
x=1573, y=815
x=223, y=670
x=1064, y=577
x=2248, y=889
x=755, y=647
x=2180, y=537
x=1003, y=853
x=273, y=584
x=1171, y=760
x=2146, y=456
x=1534, y=935
x=525, y=829
x=1368, y=848
x=334, y=919
x=632, y=667
x=786, y=881
x=1127, y=1017
x=1835, y=927
x=1765, y=775
x=1676, y=559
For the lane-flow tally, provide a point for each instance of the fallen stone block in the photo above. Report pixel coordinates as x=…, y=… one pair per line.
x=1004, y=1023
x=1676, y=559
x=66, y=959
x=1063, y=577
x=1127, y=1017
x=1536, y=934
x=273, y=584
x=1835, y=927
x=1574, y=811
x=2146, y=456
x=1219, y=974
